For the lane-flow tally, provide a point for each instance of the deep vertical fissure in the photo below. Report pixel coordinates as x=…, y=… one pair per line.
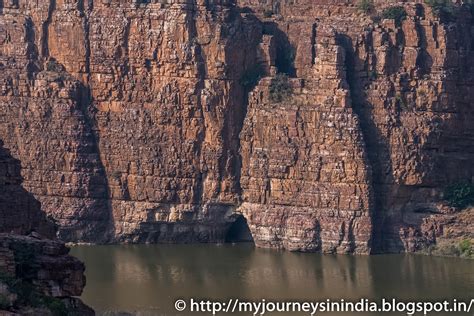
x=91, y=125
x=369, y=133
x=45, y=29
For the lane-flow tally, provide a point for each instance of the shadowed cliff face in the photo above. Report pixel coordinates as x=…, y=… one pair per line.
x=34, y=269
x=20, y=212
x=147, y=122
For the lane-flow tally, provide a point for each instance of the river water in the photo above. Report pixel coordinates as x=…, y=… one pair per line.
x=147, y=279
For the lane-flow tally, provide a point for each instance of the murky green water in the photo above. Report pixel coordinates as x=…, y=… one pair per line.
x=147, y=279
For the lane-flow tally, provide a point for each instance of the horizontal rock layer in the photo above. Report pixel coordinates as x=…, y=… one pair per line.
x=146, y=121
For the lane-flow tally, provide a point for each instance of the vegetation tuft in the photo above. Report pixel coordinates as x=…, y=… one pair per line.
x=117, y=175
x=53, y=66
x=373, y=75
x=466, y=248
x=460, y=194
x=280, y=88
x=401, y=103
x=443, y=9
x=268, y=13
x=27, y=295
x=463, y=249
x=366, y=6
x=396, y=13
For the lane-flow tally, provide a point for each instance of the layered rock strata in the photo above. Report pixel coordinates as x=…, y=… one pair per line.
x=37, y=276
x=410, y=86
x=139, y=117
x=146, y=121
x=305, y=176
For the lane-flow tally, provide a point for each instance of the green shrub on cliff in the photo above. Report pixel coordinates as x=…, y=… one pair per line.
x=401, y=103
x=56, y=306
x=460, y=194
x=54, y=66
x=373, y=75
x=443, y=9
x=396, y=13
x=28, y=296
x=445, y=250
x=366, y=6
x=280, y=88
x=439, y=5
x=466, y=247
x=452, y=248
x=117, y=175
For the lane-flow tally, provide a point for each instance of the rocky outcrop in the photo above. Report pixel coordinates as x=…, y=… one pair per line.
x=37, y=276
x=154, y=121
x=305, y=176
x=406, y=83
x=44, y=261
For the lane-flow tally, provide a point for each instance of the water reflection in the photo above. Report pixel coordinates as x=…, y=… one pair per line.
x=151, y=277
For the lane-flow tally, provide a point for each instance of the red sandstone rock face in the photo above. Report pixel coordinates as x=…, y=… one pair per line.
x=305, y=176
x=132, y=122
x=168, y=118
x=410, y=88
x=146, y=134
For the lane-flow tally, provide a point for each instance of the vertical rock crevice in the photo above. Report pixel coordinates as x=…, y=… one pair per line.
x=44, y=43
x=375, y=148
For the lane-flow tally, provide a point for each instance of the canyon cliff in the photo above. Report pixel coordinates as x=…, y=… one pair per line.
x=328, y=128
x=37, y=276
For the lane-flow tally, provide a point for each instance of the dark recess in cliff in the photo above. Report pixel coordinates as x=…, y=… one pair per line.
x=239, y=231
